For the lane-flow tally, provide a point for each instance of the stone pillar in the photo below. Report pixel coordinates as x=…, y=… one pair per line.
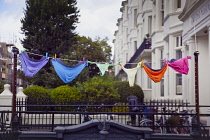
x=21, y=97
x=6, y=98
x=185, y=87
x=20, y=94
x=208, y=111
x=191, y=74
x=209, y=40
x=158, y=15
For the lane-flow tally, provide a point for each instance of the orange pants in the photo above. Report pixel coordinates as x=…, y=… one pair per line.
x=155, y=75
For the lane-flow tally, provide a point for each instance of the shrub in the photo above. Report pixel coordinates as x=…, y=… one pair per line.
x=36, y=96
x=65, y=94
x=125, y=90
x=37, y=93
x=98, y=89
x=2, y=83
x=120, y=109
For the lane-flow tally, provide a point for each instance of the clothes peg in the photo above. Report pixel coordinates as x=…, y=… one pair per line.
x=55, y=56
x=23, y=50
x=46, y=55
x=83, y=60
x=86, y=62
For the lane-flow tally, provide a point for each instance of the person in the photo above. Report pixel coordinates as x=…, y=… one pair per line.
x=133, y=100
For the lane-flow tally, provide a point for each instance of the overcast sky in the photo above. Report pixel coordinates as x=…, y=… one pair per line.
x=97, y=18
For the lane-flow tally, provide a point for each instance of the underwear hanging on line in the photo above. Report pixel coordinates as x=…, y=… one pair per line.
x=131, y=73
x=103, y=68
x=65, y=72
x=31, y=66
x=180, y=65
x=155, y=75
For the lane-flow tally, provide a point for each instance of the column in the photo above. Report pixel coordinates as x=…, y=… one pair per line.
x=208, y=112
x=185, y=87
x=191, y=74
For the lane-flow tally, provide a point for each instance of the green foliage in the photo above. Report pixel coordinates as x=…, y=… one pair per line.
x=47, y=78
x=125, y=90
x=120, y=109
x=49, y=25
x=98, y=89
x=2, y=83
x=37, y=93
x=65, y=93
x=96, y=50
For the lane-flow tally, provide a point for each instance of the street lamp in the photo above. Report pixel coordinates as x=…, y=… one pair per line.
x=14, y=114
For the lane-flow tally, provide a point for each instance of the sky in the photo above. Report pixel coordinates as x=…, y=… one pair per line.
x=98, y=18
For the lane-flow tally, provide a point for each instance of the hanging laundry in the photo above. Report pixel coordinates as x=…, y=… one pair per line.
x=155, y=75
x=180, y=65
x=31, y=66
x=131, y=73
x=65, y=72
x=102, y=67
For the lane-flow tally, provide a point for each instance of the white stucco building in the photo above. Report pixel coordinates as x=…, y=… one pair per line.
x=174, y=29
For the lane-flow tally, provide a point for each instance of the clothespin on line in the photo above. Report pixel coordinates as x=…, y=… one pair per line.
x=46, y=55
x=83, y=60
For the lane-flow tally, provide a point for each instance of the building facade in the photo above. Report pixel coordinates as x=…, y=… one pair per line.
x=6, y=62
x=171, y=29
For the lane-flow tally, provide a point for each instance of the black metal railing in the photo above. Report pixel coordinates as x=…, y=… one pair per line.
x=163, y=116
x=9, y=135
x=4, y=119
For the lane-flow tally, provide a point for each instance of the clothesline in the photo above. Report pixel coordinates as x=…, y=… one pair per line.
x=73, y=60
x=68, y=73
x=79, y=61
x=51, y=57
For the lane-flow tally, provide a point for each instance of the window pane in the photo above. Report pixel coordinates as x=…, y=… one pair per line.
x=135, y=18
x=178, y=3
x=178, y=54
x=150, y=25
x=149, y=83
x=162, y=14
x=181, y=41
x=162, y=88
x=135, y=45
x=178, y=84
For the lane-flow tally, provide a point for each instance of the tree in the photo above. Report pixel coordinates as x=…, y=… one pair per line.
x=98, y=51
x=125, y=90
x=49, y=26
